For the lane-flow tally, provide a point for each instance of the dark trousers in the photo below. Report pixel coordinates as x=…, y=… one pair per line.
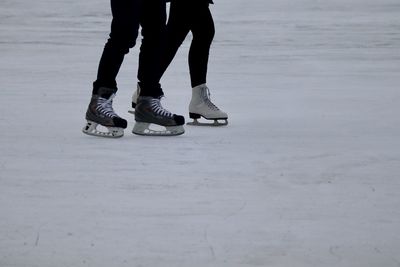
x=194, y=16
x=128, y=15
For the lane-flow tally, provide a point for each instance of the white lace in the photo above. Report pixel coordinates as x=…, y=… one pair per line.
x=104, y=106
x=207, y=99
x=158, y=109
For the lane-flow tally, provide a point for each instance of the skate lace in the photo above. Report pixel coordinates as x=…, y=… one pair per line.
x=104, y=106
x=207, y=99
x=158, y=109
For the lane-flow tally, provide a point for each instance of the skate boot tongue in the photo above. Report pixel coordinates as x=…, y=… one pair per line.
x=158, y=108
x=207, y=98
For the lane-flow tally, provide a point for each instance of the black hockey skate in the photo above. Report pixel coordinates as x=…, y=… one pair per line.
x=101, y=112
x=152, y=119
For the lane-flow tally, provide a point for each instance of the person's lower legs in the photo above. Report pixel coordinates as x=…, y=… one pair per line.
x=152, y=20
x=148, y=109
x=178, y=27
x=203, y=31
x=124, y=31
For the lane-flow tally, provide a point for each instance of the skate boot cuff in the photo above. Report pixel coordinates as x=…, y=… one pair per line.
x=105, y=92
x=154, y=91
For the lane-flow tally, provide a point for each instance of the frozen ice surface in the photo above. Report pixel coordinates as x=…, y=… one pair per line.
x=306, y=173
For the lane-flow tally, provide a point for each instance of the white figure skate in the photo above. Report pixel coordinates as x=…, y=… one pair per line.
x=201, y=106
x=135, y=96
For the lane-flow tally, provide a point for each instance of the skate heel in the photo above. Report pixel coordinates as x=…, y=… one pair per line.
x=194, y=115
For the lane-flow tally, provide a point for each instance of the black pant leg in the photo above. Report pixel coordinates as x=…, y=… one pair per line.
x=153, y=19
x=203, y=30
x=178, y=27
x=124, y=31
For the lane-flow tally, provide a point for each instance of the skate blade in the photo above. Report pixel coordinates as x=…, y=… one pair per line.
x=149, y=129
x=216, y=123
x=91, y=129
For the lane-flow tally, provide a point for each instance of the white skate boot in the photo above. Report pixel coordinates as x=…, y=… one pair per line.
x=201, y=106
x=135, y=96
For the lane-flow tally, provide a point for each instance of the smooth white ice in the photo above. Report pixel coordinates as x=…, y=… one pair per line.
x=306, y=174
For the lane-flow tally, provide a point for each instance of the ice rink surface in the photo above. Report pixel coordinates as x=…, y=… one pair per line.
x=306, y=173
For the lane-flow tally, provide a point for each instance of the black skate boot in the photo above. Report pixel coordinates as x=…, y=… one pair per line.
x=100, y=111
x=149, y=111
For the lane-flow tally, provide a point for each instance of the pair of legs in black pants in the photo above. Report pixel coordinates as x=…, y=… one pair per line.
x=156, y=51
x=194, y=16
x=128, y=15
